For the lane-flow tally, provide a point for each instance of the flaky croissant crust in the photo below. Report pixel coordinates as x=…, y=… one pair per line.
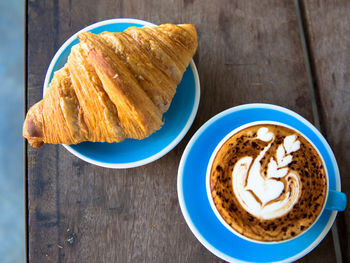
x=113, y=86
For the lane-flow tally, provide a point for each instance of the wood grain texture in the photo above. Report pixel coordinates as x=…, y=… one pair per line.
x=328, y=28
x=41, y=172
x=249, y=51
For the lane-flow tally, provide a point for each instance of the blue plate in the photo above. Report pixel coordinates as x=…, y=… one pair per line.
x=194, y=201
x=131, y=153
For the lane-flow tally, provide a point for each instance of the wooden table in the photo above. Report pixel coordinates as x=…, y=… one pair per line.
x=249, y=51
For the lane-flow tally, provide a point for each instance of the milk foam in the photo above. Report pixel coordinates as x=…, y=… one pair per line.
x=257, y=193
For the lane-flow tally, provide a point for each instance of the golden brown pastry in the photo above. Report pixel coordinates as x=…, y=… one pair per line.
x=113, y=86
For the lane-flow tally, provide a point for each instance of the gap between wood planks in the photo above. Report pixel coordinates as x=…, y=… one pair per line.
x=315, y=101
x=26, y=207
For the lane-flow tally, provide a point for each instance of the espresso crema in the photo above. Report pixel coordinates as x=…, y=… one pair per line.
x=268, y=183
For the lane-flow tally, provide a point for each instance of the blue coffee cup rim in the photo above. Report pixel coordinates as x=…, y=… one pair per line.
x=216, y=129
x=229, y=135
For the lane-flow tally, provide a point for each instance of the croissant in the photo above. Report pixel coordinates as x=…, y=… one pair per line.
x=113, y=86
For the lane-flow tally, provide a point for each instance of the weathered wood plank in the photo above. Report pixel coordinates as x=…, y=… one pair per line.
x=42, y=188
x=328, y=29
x=249, y=51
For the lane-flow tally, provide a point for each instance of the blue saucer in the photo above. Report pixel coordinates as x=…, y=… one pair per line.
x=131, y=153
x=195, y=205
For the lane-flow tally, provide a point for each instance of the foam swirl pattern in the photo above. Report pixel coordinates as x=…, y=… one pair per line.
x=268, y=183
x=262, y=197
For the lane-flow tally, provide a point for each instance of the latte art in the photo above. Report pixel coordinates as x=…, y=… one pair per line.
x=268, y=183
x=272, y=195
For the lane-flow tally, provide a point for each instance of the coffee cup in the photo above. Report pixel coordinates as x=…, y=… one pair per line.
x=267, y=182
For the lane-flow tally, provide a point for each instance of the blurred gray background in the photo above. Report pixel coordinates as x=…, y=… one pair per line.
x=12, y=206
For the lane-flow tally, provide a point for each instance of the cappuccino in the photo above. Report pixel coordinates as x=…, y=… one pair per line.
x=268, y=183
